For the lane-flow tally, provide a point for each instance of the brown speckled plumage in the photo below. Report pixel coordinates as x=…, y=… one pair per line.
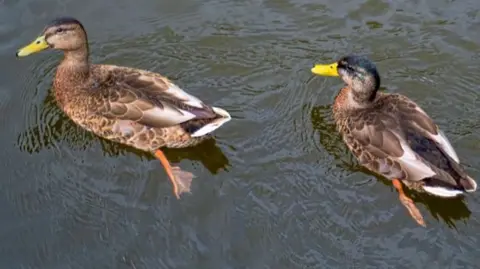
x=130, y=106
x=112, y=102
x=372, y=136
x=392, y=136
x=123, y=104
x=378, y=129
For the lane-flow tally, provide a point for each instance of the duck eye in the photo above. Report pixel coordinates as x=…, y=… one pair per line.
x=59, y=30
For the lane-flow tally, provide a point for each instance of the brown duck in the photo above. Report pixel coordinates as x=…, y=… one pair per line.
x=391, y=135
x=134, y=107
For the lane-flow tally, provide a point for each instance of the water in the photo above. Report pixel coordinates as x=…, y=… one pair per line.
x=276, y=188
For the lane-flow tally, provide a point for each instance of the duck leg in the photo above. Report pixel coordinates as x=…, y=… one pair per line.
x=408, y=203
x=180, y=179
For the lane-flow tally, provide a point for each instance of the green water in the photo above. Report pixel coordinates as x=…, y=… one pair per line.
x=276, y=188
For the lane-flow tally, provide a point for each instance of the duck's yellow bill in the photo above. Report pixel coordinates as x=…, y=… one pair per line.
x=325, y=70
x=37, y=45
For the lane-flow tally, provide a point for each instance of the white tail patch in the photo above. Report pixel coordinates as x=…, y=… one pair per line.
x=474, y=183
x=442, y=192
x=212, y=126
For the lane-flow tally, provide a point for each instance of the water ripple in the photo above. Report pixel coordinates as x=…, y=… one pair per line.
x=277, y=187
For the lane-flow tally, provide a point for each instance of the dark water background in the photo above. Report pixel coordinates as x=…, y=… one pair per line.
x=276, y=188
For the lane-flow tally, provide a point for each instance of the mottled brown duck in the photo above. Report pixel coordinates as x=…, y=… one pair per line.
x=392, y=136
x=134, y=107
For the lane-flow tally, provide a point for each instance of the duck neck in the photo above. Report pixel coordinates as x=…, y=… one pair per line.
x=72, y=71
x=363, y=96
x=359, y=100
x=75, y=66
x=364, y=90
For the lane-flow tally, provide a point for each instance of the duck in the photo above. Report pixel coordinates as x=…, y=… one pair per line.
x=133, y=107
x=392, y=136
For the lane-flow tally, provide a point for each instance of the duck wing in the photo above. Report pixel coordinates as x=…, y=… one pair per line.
x=148, y=98
x=417, y=119
x=399, y=140
x=430, y=143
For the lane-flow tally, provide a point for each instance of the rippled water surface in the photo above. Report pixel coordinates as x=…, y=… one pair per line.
x=276, y=188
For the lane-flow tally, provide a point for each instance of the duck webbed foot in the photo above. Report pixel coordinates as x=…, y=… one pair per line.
x=408, y=203
x=180, y=179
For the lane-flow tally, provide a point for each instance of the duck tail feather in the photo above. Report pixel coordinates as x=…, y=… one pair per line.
x=223, y=117
x=468, y=183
